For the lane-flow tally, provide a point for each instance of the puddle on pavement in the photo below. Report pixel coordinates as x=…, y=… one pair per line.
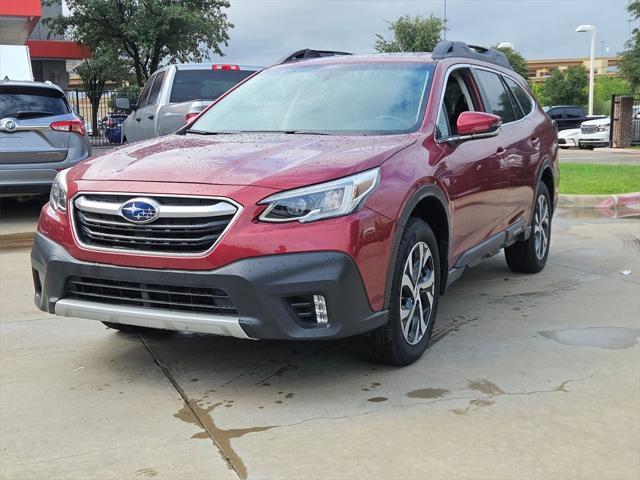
x=427, y=393
x=612, y=338
x=200, y=416
x=486, y=387
x=377, y=399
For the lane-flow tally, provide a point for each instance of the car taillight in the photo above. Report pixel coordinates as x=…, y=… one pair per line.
x=188, y=118
x=223, y=66
x=75, y=126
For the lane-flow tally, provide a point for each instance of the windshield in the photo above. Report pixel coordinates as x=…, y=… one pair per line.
x=354, y=98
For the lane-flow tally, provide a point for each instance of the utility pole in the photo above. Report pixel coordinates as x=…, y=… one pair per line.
x=444, y=29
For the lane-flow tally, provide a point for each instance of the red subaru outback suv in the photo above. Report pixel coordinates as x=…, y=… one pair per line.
x=320, y=199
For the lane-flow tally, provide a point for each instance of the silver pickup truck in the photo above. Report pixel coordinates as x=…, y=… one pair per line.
x=176, y=93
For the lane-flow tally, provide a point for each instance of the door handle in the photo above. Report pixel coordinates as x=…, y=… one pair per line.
x=150, y=117
x=137, y=119
x=501, y=152
x=535, y=142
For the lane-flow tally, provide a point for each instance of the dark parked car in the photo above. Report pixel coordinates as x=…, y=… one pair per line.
x=566, y=116
x=39, y=136
x=319, y=199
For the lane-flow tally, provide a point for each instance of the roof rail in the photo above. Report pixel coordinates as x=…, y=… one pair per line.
x=461, y=49
x=308, y=53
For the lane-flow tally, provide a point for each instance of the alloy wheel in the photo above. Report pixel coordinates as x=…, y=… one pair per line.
x=417, y=293
x=541, y=227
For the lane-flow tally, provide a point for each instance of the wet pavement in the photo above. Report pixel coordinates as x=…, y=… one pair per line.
x=527, y=377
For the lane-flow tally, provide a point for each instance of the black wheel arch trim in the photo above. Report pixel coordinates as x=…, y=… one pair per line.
x=423, y=192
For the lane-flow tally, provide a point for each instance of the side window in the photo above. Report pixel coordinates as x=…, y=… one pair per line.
x=443, y=124
x=142, y=99
x=154, y=93
x=457, y=99
x=574, y=113
x=496, y=98
x=555, y=114
x=525, y=101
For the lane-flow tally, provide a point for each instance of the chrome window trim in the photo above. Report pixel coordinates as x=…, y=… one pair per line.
x=137, y=253
x=479, y=67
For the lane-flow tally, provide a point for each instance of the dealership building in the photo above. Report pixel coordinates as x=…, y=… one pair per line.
x=21, y=24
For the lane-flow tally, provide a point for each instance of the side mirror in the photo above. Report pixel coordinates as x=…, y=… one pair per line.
x=122, y=103
x=478, y=124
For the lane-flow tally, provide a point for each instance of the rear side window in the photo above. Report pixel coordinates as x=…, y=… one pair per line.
x=30, y=102
x=524, y=100
x=555, y=114
x=154, y=93
x=495, y=96
x=575, y=113
x=204, y=84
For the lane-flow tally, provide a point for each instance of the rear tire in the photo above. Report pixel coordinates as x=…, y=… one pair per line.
x=133, y=328
x=531, y=255
x=414, y=300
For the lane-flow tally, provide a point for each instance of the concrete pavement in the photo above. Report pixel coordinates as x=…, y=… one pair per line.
x=527, y=377
x=601, y=155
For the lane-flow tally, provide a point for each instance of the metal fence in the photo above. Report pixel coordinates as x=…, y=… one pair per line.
x=102, y=121
x=620, y=130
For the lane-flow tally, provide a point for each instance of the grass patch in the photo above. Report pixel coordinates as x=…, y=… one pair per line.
x=598, y=179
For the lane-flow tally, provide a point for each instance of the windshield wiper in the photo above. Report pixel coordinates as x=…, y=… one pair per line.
x=33, y=113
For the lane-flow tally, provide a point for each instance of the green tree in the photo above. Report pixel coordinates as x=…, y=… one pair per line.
x=604, y=88
x=95, y=72
x=566, y=87
x=630, y=61
x=147, y=32
x=411, y=34
x=538, y=91
x=517, y=61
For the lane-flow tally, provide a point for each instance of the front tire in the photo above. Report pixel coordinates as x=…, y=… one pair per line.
x=414, y=300
x=531, y=255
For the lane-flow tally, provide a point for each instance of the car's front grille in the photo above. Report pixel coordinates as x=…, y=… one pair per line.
x=589, y=128
x=150, y=295
x=185, y=225
x=562, y=141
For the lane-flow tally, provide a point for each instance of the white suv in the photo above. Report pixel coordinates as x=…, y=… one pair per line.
x=594, y=133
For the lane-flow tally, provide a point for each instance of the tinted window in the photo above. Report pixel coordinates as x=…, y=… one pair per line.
x=155, y=89
x=496, y=98
x=204, y=84
x=555, y=113
x=25, y=102
x=349, y=98
x=526, y=104
x=575, y=113
x=142, y=99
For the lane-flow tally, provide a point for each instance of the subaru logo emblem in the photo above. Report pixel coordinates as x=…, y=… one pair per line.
x=140, y=210
x=10, y=125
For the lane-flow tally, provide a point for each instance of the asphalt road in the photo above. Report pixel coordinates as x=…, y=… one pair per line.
x=527, y=377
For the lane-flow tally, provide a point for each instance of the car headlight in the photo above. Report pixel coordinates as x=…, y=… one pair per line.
x=603, y=128
x=317, y=202
x=58, y=195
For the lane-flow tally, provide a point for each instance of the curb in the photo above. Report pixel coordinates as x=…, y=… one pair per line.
x=625, y=200
x=11, y=241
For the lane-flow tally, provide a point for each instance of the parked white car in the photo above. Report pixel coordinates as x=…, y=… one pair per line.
x=594, y=133
x=569, y=138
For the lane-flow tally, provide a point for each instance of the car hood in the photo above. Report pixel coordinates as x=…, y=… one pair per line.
x=278, y=161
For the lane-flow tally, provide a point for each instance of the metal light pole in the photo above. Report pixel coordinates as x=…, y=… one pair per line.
x=592, y=29
x=444, y=32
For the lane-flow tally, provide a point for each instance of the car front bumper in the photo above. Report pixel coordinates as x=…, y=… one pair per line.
x=260, y=288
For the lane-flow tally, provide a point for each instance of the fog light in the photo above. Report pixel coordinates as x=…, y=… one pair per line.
x=322, y=317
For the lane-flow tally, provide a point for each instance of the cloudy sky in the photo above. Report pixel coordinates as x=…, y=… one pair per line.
x=266, y=30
